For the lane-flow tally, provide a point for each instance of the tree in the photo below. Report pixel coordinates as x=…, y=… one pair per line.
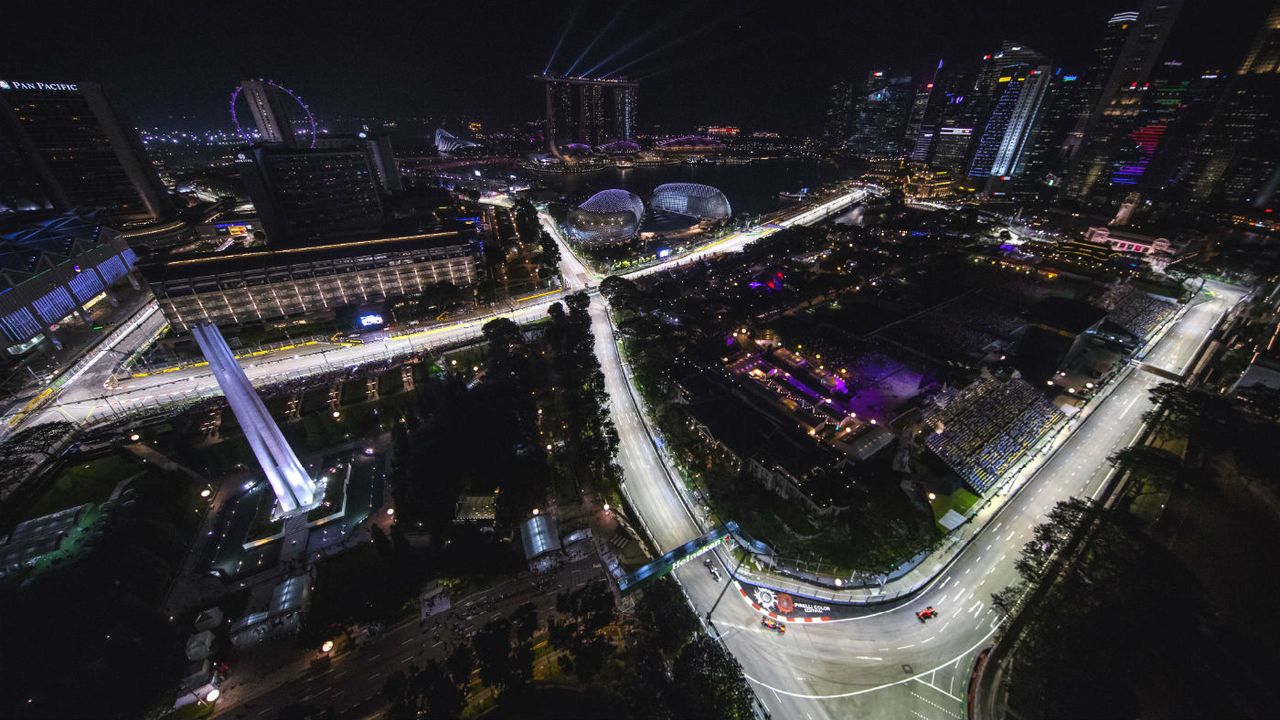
x=590, y=658
x=710, y=682
x=520, y=674
x=663, y=611
x=1150, y=465
x=1064, y=521
x=28, y=448
x=493, y=650
x=441, y=696
x=460, y=663
x=591, y=605
x=395, y=687
x=525, y=619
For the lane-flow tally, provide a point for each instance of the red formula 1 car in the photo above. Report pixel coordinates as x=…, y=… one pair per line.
x=772, y=624
x=927, y=614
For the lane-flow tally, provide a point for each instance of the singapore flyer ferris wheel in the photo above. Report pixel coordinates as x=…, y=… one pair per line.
x=305, y=127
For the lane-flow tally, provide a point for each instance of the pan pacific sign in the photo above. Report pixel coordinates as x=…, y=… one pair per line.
x=24, y=85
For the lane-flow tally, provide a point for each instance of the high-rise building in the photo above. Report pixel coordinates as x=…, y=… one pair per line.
x=1163, y=103
x=1112, y=117
x=382, y=159
x=588, y=111
x=835, y=127
x=1173, y=161
x=1237, y=161
x=880, y=115
x=1059, y=115
x=954, y=133
x=303, y=195
x=1095, y=78
x=267, y=105
x=1003, y=147
x=987, y=86
x=922, y=122
x=377, y=150
x=70, y=145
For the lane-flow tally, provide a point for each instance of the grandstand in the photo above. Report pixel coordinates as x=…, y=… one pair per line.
x=1134, y=311
x=986, y=430
x=940, y=338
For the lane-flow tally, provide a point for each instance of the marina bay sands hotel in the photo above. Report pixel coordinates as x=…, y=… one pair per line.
x=588, y=111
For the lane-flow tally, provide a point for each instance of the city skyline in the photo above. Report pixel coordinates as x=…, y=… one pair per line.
x=696, y=56
x=642, y=361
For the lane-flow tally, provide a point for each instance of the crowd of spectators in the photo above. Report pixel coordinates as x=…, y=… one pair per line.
x=983, y=315
x=1134, y=311
x=984, y=430
x=941, y=338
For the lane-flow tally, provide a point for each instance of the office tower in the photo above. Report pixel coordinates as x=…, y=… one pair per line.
x=1238, y=160
x=378, y=152
x=266, y=103
x=1094, y=79
x=623, y=121
x=1113, y=115
x=1173, y=161
x=922, y=122
x=954, y=132
x=303, y=195
x=880, y=115
x=588, y=111
x=1063, y=106
x=988, y=87
x=382, y=159
x=1003, y=146
x=835, y=127
x=70, y=145
x=1163, y=102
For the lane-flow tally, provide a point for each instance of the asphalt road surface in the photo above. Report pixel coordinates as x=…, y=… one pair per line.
x=89, y=397
x=884, y=662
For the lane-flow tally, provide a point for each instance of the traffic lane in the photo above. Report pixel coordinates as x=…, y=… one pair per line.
x=1176, y=351
x=876, y=649
x=199, y=382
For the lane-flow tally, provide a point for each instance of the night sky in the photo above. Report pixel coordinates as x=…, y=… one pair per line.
x=760, y=65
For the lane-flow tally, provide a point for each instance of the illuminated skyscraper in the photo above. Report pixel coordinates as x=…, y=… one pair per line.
x=835, y=127
x=588, y=111
x=266, y=104
x=303, y=195
x=1005, y=142
x=1095, y=78
x=922, y=122
x=1238, y=159
x=1120, y=99
x=70, y=145
x=880, y=115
